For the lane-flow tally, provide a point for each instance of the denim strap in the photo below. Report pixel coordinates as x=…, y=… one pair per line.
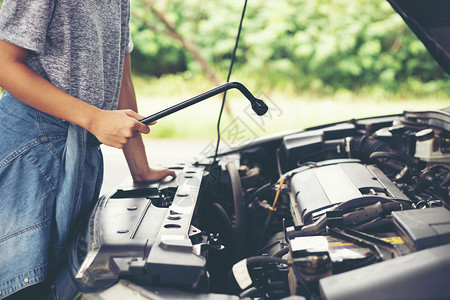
x=80, y=165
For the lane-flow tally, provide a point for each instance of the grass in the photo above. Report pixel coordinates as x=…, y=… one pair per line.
x=287, y=109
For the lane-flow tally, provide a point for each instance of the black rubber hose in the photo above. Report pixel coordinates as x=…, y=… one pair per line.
x=259, y=191
x=344, y=206
x=366, y=200
x=249, y=293
x=362, y=147
x=229, y=237
x=282, y=252
x=239, y=209
x=263, y=259
x=319, y=226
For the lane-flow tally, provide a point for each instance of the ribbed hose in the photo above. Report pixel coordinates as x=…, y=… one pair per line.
x=239, y=209
x=362, y=147
x=228, y=238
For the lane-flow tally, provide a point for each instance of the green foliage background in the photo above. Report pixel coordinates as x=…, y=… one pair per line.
x=321, y=46
x=301, y=46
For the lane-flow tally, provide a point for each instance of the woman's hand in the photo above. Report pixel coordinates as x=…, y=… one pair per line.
x=116, y=127
x=154, y=174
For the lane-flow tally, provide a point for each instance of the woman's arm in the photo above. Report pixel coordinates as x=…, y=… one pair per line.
x=134, y=151
x=113, y=128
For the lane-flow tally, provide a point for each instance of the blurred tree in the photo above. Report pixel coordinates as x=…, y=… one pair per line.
x=161, y=21
x=320, y=45
x=316, y=45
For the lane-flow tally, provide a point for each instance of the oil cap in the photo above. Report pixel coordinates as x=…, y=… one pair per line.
x=425, y=134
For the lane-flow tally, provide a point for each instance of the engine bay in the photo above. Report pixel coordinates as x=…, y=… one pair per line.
x=351, y=210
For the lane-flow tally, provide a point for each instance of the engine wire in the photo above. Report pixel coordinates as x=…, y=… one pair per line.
x=280, y=186
x=233, y=58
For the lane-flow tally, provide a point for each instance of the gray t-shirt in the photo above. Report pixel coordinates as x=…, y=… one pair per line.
x=78, y=45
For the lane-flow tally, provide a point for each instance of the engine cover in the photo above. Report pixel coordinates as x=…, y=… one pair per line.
x=320, y=186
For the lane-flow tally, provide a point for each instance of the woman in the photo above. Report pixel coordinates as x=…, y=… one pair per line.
x=65, y=66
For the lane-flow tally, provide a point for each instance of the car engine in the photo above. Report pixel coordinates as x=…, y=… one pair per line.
x=351, y=210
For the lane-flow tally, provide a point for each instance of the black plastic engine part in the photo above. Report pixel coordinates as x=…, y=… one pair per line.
x=136, y=237
x=424, y=228
x=338, y=181
x=402, y=278
x=308, y=144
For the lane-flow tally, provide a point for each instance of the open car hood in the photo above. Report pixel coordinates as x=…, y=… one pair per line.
x=430, y=21
x=358, y=209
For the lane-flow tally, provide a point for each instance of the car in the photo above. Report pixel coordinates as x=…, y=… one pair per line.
x=357, y=209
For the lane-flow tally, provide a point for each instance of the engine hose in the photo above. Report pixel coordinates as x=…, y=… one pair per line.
x=249, y=293
x=282, y=252
x=255, y=261
x=263, y=259
x=262, y=189
x=319, y=226
x=363, y=146
x=345, y=206
x=376, y=223
x=367, y=200
x=229, y=238
x=239, y=209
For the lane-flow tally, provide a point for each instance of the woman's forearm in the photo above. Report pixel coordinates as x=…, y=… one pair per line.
x=134, y=151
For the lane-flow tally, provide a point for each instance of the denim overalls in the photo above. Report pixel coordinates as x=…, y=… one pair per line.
x=48, y=174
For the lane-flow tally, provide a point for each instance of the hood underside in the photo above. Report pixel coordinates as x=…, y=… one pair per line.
x=430, y=21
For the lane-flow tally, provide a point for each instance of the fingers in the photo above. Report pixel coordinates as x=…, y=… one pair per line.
x=139, y=127
x=154, y=174
x=137, y=116
x=133, y=114
x=170, y=172
x=116, y=128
